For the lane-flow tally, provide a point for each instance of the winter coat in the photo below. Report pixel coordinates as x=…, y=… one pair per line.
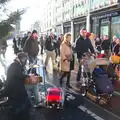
x=31, y=47
x=23, y=41
x=112, y=46
x=15, y=88
x=50, y=44
x=117, y=49
x=82, y=46
x=106, y=44
x=66, y=56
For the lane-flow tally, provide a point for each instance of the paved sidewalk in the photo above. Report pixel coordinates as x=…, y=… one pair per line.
x=113, y=107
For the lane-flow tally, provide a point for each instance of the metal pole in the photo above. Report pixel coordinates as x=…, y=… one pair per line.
x=88, y=17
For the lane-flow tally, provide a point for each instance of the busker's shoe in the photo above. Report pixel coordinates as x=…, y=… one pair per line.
x=38, y=105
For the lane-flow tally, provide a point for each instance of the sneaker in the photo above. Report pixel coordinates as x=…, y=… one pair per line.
x=37, y=105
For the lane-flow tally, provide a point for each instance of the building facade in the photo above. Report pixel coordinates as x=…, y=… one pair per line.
x=102, y=18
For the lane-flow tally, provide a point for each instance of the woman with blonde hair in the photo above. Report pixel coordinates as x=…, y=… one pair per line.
x=66, y=57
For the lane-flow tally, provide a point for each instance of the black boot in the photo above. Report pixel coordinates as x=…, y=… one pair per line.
x=68, y=86
x=68, y=80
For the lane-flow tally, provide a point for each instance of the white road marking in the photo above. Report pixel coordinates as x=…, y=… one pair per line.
x=86, y=110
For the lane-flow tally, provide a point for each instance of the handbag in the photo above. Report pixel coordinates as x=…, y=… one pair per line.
x=115, y=59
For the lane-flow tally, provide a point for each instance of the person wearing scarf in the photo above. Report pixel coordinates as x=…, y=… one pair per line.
x=66, y=57
x=32, y=47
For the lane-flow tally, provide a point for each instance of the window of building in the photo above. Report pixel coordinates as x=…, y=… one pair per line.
x=115, y=26
x=95, y=26
x=104, y=29
x=77, y=28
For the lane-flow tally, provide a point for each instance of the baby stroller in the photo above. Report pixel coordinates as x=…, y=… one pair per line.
x=95, y=78
x=101, y=83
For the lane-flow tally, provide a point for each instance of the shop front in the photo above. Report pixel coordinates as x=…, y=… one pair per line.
x=67, y=27
x=59, y=30
x=78, y=25
x=106, y=24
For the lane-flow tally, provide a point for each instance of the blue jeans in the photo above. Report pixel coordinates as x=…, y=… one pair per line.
x=32, y=59
x=35, y=89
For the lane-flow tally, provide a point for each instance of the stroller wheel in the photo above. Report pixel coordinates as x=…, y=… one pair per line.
x=98, y=99
x=83, y=90
x=109, y=99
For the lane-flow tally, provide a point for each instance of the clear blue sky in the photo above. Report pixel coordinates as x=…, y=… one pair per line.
x=34, y=11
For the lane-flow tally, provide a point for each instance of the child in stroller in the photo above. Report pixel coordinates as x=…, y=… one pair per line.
x=98, y=78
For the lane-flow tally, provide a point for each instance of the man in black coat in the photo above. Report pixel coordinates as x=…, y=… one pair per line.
x=83, y=45
x=106, y=44
x=15, y=89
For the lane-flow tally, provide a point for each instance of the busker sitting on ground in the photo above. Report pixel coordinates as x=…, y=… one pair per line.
x=15, y=89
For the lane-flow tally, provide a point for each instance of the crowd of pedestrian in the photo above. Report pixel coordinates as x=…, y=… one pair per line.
x=54, y=47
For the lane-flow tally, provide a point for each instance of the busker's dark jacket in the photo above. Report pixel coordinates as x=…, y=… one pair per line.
x=50, y=44
x=31, y=47
x=82, y=46
x=14, y=88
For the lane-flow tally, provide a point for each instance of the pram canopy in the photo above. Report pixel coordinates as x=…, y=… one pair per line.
x=97, y=62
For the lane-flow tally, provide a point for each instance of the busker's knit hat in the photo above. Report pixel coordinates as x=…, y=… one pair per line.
x=22, y=55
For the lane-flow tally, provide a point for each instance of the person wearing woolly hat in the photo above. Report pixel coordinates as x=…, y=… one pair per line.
x=15, y=89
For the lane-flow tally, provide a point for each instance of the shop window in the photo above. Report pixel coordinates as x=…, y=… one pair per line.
x=77, y=28
x=95, y=26
x=76, y=31
x=104, y=29
x=115, y=26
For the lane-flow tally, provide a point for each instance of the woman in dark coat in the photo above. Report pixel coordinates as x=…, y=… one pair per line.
x=117, y=48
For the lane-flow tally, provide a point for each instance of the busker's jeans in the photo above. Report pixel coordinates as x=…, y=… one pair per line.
x=35, y=89
x=32, y=59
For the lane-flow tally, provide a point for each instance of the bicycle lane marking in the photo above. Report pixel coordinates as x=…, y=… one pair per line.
x=86, y=110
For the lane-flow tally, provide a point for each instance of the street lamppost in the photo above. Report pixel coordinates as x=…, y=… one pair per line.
x=88, y=16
